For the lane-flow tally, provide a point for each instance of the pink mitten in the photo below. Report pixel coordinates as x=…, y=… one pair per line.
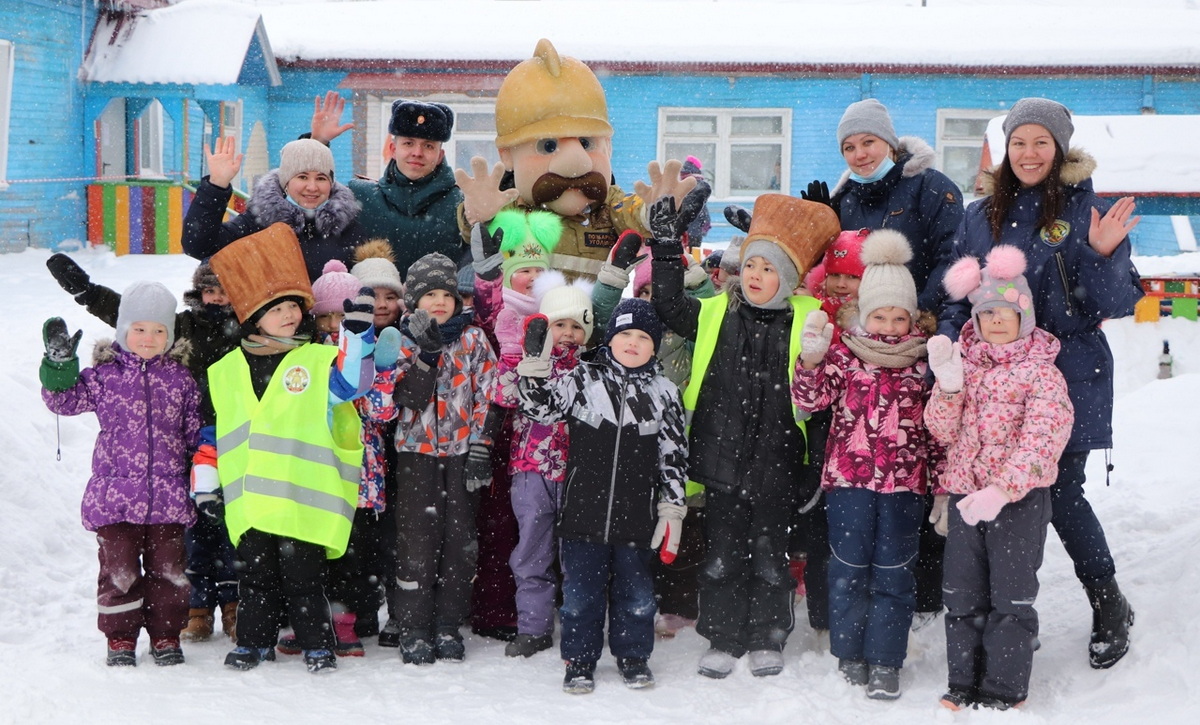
x=983, y=505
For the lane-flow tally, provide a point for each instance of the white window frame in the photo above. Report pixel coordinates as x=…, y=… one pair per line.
x=7, y=60
x=379, y=116
x=149, y=135
x=230, y=120
x=945, y=143
x=719, y=173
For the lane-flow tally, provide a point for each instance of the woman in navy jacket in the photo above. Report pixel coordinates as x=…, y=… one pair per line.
x=1080, y=274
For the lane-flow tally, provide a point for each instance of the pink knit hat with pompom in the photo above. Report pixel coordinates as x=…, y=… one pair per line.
x=1001, y=283
x=333, y=286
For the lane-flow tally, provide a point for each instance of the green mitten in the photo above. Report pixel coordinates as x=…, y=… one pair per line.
x=60, y=365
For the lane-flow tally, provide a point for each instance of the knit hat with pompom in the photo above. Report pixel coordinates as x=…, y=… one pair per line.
x=558, y=300
x=529, y=239
x=886, y=282
x=334, y=286
x=375, y=266
x=999, y=284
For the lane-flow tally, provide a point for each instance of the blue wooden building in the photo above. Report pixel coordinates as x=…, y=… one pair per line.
x=753, y=88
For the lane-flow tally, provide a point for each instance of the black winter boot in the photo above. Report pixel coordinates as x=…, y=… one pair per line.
x=1111, y=619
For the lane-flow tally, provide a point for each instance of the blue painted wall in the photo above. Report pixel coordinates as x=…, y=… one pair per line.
x=46, y=134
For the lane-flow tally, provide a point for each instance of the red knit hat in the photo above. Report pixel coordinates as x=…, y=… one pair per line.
x=844, y=256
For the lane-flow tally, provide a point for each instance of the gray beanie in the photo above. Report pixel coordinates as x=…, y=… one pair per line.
x=1051, y=115
x=303, y=155
x=789, y=276
x=146, y=302
x=867, y=116
x=378, y=272
x=432, y=272
x=886, y=282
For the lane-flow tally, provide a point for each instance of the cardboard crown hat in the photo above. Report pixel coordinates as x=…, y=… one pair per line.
x=548, y=96
x=262, y=267
x=803, y=229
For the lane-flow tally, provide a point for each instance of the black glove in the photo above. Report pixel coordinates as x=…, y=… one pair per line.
x=213, y=509
x=625, y=254
x=478, y=467
x=69, y=275
x=485, y=250
x=423, y=330
x=693, y=204
x=536, y=329
x=818, y=191
x=60, y=345
x=738, y=217
x=664, y=225
x=360, y=311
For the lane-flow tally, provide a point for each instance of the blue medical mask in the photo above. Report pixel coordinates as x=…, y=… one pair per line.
x=880, y=171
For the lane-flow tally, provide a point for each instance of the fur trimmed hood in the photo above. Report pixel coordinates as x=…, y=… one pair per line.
x=105, y=351
x=269, y=204
x=847, y=319
x=1078, y=167
x=921, y=157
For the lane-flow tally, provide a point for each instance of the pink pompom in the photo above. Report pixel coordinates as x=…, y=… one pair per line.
x=333, y=265
x=962, y=278
x=1005, y=262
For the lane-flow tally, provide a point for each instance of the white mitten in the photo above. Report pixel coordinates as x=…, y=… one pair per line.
x=668, y=530
x=940, y=515
x=945, y=360
x=815, y=337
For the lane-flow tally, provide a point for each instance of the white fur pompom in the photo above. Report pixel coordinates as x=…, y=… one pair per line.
x=886, y=246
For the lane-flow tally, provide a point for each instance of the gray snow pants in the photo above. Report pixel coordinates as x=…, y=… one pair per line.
x=989, y=585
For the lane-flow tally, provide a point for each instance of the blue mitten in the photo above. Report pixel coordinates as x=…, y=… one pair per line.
x=387, y=348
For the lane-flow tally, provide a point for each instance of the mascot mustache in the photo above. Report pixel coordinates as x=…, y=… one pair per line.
x=550, y=186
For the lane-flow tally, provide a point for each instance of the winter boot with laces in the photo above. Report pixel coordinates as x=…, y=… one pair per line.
x=1111, y=619
x=580, y=678
x=247, y=658
x=635, y=672
x=122, y=652
x=319, y=660
x=527, y=645
x=199, y=627
x=166, y=651
x=883, y=682
x=229, y=620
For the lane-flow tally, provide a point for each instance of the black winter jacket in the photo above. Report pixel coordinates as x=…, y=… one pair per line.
x=744, y=438
x=332, y=233
x=616, y=474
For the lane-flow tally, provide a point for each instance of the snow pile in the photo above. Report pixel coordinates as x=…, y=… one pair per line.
x=52, y=654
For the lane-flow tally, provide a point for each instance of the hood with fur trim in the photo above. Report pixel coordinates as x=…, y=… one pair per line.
x=847, y=319
x=269, y=204
x=104, y=351
x=1078, y=167
x=921, y=157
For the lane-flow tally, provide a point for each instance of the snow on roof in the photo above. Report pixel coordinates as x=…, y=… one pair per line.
x=1134, y=154
x=740, y=32
x=196, y=42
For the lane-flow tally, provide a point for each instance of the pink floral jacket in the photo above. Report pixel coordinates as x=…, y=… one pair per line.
x=1012, y=420
x=877, y=438
x=536, y=447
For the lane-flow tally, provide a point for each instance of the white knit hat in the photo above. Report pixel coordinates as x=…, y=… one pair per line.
x=560, y=301
x=146, y=302
x=378, y=272
x=886, y=282
x=302, y=155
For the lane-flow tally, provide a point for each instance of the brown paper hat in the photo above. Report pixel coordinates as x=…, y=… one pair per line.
x=262, y=267
x=803, y=229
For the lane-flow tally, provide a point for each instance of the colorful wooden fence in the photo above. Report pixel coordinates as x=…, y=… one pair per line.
x=141, y=217
x=1168, y=297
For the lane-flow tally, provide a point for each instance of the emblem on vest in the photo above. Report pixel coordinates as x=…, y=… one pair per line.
x=599, y=239
x=1055, y=233
x=296, y=379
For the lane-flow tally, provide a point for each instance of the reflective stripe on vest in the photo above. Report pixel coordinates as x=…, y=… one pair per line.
x=283, y=470
x=708, y=326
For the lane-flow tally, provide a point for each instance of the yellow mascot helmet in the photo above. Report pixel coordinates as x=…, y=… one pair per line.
x=549, y=97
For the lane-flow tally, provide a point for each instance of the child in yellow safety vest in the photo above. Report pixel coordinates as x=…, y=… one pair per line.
x=281, y=456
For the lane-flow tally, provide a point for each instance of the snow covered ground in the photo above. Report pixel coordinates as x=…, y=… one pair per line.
x=51, y=654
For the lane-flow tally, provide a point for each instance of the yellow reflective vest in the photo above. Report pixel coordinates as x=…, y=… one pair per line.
x=283, y=469
x=708, y=326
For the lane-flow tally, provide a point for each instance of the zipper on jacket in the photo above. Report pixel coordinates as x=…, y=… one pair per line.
x=612, y=481
x=149, y=445
x=1062, y=275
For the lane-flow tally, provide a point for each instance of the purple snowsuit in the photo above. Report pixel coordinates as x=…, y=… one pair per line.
x=137, y=500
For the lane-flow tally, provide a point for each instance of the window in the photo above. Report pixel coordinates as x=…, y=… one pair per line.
x=474, y=132
x=6, y=77
x=148, y=133
x=743, y=152
x=229, y=119
x=960, y=134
